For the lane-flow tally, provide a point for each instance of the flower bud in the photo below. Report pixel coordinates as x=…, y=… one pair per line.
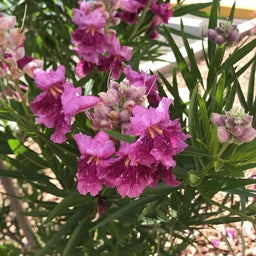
x=219, y=39
x=109, y=98
x=128, y=104
x=233, y=37
x=237, y=130
x=229, y=121
x=248, y=135
x=211, y=34
x=223, y=134
x=7, y=22
x=136, y=93
x=124, y=115
x=218, y=119
x=102, y=111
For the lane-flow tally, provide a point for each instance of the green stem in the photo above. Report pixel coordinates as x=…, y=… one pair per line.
x=215, y=158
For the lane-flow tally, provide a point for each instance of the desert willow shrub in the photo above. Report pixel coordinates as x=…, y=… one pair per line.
x=106, y=162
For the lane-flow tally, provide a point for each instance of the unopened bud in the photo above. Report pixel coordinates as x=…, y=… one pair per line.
x=223, y=134
x=237, y=130
x=7, y=22
x=128, y=104
x=109, y=98
x=211, y=34
x=218, y=119
x=219, y=39
x=248, y=135
x=124, y=115
x=136, y=93
x=233, y=37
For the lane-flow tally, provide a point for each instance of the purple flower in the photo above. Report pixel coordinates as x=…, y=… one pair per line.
x=148, y=120
x=132, y=6
x=73, y=102
x=58, y=102
x=93, y=152
x=143, y=79
x=120, y=54
x=90, y=46
x=90, y=20
x=161, y=137
x=130, y=180
x=95, y=43
x=162, y=10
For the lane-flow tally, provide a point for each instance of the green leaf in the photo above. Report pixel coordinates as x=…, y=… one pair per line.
x=251, y=85
x=232, y=13
x=212, y=25
x=191, y=56
x=182, y=65
x=218, y=97
x=125, y=210
x=251, y=209
x=204, y=118
x=193, y=118
x=190, y=9
x=71, y=222
x=214, y=143
x=72, y=199
x=238, y=55
x=234, y=171
x=120, y=136
x=230, y=97
x=75, y=237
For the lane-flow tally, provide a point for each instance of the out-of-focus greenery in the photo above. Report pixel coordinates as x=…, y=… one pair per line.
x=162, y=221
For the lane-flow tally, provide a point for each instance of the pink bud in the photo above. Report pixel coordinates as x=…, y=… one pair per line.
x=218, y=119
x=248, y=135
x=101, y=111
x=136, y=92
x=233, y=37
x=128, y=104
x=237, y=130
x=223, y=134
x=32, y=67
x=109, y=98
x=124, y=115
x=7, y=22
x=211, y=33
x=219, y=39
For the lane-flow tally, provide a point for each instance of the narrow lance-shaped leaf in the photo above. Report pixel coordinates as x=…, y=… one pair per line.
x=204, y=118
x=191, y=56
x=217, y=97
x=213, y=25
x=238, y=55
x=182, y=65
x=190, y=8
x=251, y=85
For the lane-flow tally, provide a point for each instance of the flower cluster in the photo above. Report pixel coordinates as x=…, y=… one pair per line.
x=224, y=33
x=133, y=166
x=130, y=11
x=95, y=39
x=234, y=127
x=115, y=109
x=58, y=102
x=12, y=52
x=96, y=43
